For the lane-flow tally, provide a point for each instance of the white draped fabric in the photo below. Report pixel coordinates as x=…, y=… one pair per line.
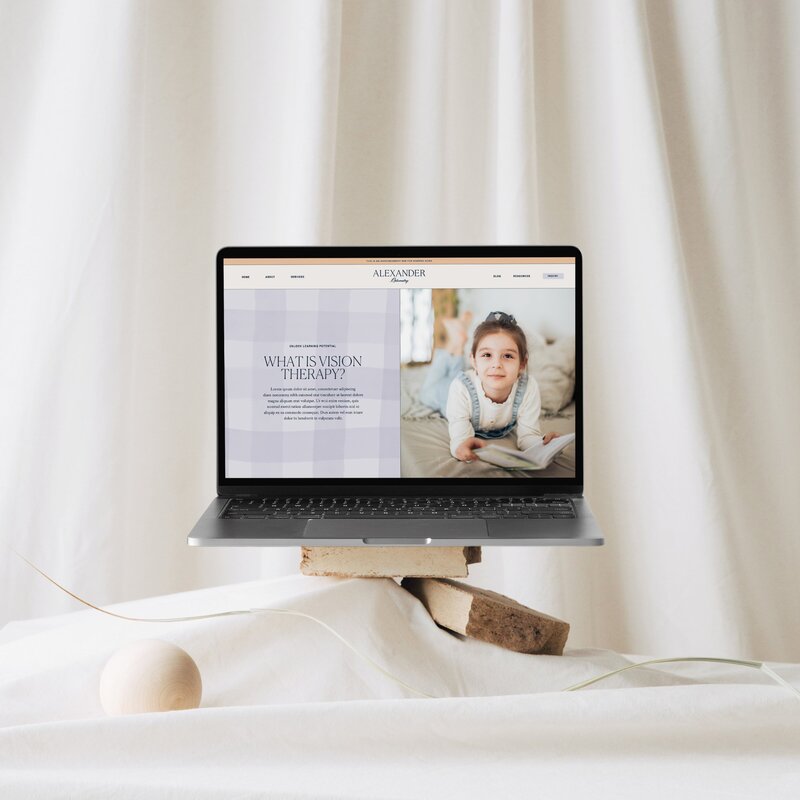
x=660, y=137
x=273, y=724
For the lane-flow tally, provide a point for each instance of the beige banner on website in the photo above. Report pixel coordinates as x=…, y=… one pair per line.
x=385, y=274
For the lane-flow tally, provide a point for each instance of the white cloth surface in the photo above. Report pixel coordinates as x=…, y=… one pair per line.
x=661, y=138
x=289, y=712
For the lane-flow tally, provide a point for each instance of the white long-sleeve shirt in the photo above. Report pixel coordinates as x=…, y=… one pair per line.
x=493, y=416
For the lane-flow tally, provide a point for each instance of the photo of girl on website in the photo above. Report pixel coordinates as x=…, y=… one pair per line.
x=491, y=398
x=471, y=379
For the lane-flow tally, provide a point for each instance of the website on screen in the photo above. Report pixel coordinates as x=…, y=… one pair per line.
x=388, y=368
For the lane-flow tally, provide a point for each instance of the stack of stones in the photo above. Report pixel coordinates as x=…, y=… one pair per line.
x=428, y=573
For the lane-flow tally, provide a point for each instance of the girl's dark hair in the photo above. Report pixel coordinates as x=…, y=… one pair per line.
x=500, y=322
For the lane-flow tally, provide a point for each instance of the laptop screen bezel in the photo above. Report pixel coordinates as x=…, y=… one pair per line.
x=344, y=487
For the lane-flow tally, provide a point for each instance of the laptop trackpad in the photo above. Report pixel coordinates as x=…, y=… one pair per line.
x=411, y=529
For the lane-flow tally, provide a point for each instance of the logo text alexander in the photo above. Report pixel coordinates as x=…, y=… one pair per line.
x=398, y=273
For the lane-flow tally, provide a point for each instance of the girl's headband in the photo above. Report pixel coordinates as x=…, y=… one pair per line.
x=501, y=317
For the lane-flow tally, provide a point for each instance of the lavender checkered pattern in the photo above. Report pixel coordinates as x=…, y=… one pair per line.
x=267, y=321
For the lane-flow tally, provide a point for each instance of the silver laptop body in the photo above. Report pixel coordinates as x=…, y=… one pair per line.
x=399, y=396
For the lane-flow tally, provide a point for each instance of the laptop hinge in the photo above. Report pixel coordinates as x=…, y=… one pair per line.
x=323, y=490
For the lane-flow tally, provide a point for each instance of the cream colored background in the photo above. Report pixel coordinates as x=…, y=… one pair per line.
x=660, y=138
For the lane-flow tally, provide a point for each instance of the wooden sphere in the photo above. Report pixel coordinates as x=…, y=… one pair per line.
x=149, y=675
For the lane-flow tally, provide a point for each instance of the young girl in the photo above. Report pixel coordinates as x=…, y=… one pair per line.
x=492, y=398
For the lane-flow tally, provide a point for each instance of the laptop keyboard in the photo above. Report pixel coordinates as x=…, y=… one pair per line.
x=401, y=508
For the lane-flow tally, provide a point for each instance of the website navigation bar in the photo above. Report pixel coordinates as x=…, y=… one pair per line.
x=514, y=273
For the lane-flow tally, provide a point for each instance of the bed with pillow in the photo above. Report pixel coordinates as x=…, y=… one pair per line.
x=425, y=442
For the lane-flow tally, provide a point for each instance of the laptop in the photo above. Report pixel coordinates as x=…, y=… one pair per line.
x=399, y=396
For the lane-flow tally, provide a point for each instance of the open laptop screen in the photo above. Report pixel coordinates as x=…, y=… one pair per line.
x=399, y=367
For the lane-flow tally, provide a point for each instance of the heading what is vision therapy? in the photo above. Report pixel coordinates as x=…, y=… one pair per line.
x=313, y=368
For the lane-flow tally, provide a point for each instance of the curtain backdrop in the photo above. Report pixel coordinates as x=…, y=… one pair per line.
x=661, y=138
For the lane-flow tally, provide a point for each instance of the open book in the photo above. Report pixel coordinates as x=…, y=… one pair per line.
x=537, y=456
